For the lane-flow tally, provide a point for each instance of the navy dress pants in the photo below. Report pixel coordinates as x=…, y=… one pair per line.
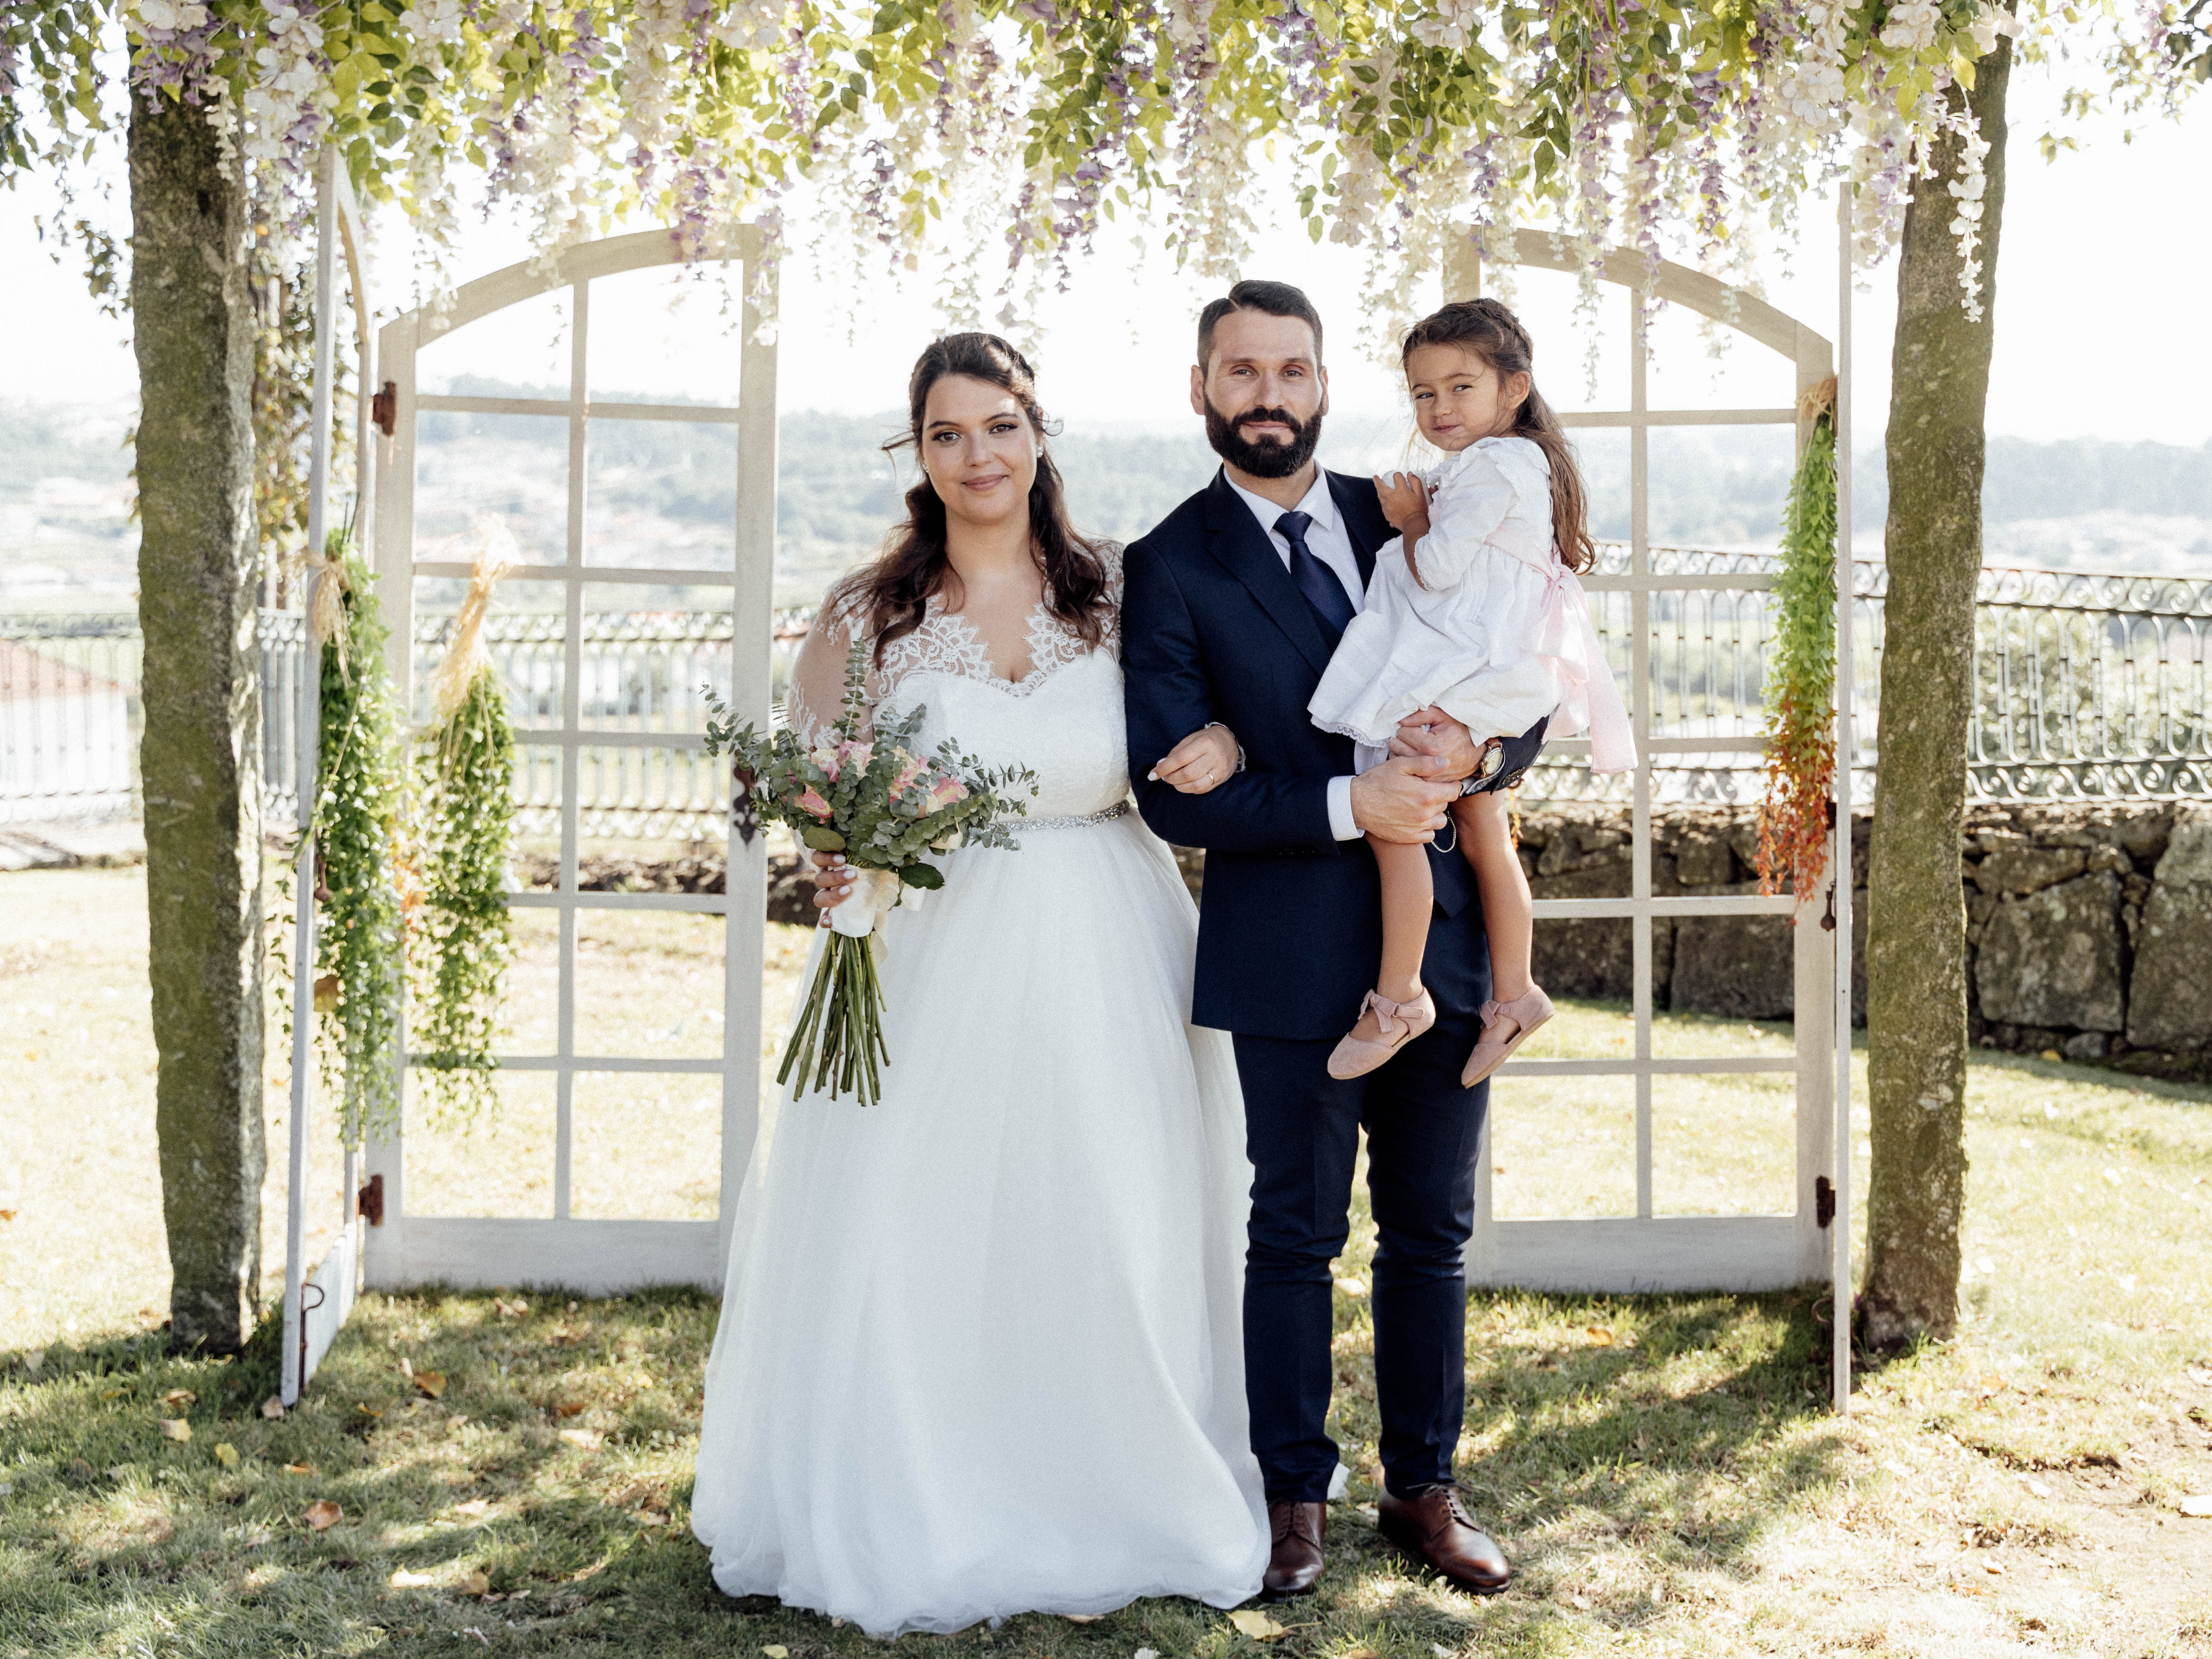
x=1302, y=1134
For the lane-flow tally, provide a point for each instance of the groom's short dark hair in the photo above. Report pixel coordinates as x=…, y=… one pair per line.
x=1276, y=299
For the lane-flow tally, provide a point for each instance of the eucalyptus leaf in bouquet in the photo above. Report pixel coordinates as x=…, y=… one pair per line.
x=886, y=808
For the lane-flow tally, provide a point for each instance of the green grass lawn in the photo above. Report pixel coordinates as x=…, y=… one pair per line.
x=1664, y=1470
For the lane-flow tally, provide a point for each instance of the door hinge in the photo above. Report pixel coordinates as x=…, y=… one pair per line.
x=1824, y=1200
x=370, y=1202
x=384, y=408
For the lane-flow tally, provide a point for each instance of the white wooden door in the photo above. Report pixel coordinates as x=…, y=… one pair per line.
x=1649, y=1250
x=561, y=1243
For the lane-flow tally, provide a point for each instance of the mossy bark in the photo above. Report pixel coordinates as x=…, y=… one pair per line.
x=200, y=759
x=1917, y=932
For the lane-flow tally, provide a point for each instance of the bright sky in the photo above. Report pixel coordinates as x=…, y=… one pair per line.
x=2101, y=328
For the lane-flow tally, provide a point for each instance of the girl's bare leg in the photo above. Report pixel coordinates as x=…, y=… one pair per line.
x=1487, y=840
x=1408, y=899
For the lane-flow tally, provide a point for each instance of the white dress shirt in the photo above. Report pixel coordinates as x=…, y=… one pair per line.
x=1328, y=540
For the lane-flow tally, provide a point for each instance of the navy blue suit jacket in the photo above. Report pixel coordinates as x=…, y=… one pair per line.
x=1213, y=628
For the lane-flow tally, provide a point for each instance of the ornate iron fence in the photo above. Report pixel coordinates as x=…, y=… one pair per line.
x=2087, y=686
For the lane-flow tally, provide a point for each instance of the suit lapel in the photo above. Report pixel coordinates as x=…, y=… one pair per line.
x=1365, y=526
x=1234, y=537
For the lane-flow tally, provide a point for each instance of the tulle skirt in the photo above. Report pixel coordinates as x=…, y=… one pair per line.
x=980, y=1352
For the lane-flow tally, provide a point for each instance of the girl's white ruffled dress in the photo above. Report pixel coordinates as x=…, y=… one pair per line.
x=1499, y=637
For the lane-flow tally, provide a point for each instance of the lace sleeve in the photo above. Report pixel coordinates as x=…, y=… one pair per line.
x=817, y=679
x=1109, y=556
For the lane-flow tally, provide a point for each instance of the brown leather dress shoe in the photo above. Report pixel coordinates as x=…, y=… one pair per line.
x=1433, y=1528
x=1295, y=1563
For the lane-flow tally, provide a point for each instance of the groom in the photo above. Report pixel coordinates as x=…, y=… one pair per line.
x=1232, y=606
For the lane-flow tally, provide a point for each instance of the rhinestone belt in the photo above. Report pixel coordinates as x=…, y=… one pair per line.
x=1119, y=809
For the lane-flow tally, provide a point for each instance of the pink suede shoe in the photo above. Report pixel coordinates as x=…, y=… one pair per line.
x=1401, y=1023
x=1505, y=1027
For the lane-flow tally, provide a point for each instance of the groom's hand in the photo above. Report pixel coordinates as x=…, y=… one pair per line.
x=1398, y=801
x=1445, y=750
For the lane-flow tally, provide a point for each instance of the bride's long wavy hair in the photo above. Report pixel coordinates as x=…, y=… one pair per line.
x=894, y=593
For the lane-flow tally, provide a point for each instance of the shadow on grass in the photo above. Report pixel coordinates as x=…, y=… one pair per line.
x=1682, y=1440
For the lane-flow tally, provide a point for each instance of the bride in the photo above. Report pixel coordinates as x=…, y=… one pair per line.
x=980, y=1350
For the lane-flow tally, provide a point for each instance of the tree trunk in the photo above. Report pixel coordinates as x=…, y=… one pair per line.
x=1917, y=924
x=201, y=756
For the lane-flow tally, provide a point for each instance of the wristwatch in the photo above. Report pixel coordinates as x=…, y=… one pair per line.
x=1487, y=766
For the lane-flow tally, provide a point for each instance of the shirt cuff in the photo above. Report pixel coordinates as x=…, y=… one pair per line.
x=1340, y=809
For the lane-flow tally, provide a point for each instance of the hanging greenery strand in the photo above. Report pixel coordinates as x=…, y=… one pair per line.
x=1801, y=674
x=360, y=795
x=467, y=765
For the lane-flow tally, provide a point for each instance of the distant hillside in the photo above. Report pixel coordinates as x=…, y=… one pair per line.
x=66, y=536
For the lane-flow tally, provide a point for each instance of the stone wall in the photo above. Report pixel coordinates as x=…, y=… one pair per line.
x=1738, y=966
x=2088, y=927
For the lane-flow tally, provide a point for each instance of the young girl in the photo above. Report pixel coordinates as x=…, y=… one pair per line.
x=1476, y=611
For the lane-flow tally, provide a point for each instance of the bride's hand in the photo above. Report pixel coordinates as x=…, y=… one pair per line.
x=833, y=883
x=1201, y=761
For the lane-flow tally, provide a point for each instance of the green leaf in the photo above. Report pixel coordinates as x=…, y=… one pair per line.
x=822, y=838
x=928, y=877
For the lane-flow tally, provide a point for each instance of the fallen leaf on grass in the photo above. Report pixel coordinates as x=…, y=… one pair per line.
x=1359, y=1653
x=1897, y=1468
x=1352, y=1286
x=776, y=1650
x=587, y=1438
x=1599, y=1335
x=2198, y=1375
x=113, y=1394
x=178, y=1399
x=431, y=1383
x=2198, y=1505
x=174, y=1428
x=7, y=1215
x=273, y=1407
x=1579, y=1602
x=567, y=1407
x=2037, y=1486
x=476, y=1584
x=405, y=1580
x=1257, y=1626
x=474, y=1506
x=299, y=1469
x=323, y=1515
x=1995, y=1568
x=510, y=1310
x=1990, y=1383
x=226, y=1454
x=1083, y=1618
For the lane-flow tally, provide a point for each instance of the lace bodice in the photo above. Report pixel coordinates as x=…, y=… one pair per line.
x=1062, y=719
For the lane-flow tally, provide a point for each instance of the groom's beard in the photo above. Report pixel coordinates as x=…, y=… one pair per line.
x=1262, y=457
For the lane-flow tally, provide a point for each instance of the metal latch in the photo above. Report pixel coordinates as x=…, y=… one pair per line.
x=370, y=1202
x=1824, y=1200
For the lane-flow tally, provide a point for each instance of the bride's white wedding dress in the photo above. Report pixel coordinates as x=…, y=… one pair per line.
x=980, y=1350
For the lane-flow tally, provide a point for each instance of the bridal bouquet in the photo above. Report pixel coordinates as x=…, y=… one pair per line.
x=883, y=807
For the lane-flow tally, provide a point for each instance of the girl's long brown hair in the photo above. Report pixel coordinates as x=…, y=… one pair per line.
x=894, y=593
x=1494, y=334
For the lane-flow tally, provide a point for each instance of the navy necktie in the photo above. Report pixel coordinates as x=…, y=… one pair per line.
x=1323, y=591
